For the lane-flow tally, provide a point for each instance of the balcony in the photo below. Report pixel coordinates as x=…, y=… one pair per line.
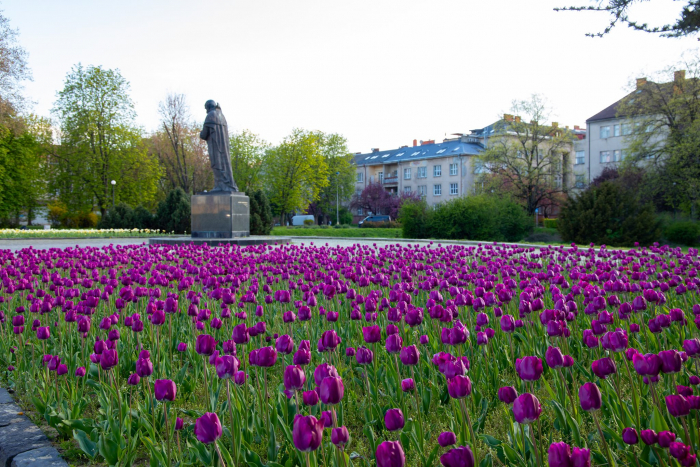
x=393, y=180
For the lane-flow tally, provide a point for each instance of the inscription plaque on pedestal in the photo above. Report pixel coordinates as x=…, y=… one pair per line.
x=220, y=215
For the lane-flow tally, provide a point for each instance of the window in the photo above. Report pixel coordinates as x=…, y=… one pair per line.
x=407, y=174
x=617, y=155
x=407, y=190
x=479, y=168
x=441, y=151
x=422, y=172
x=380, y=176
x=616, y=130
x=415, y=153
x=626, y=129
x=453, y=169
x=400, y=154
x=359, y=211
x=604, y=157
x=605, y=132
x=580, y=181
x=437, y=170
x=580, y=157
x=422, y=190
x=386, y=155
x=454, y=189
x=360, y=177
x=437, y=190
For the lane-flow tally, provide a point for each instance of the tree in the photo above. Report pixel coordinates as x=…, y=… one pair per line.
x=375, y=199
x=260, y=213
x=100, y=143
x=174, y=213
x=295, y=172
x=688, y=22
x=247, y=156
x=341, y=179
x=179, y=149
x=663, y=134
x=13, y=71
x=529, y=161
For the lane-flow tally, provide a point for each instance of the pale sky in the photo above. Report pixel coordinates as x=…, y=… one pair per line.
x=379, y=72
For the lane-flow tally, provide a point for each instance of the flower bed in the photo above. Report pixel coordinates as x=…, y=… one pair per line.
x=365, y=356
x=78, y=233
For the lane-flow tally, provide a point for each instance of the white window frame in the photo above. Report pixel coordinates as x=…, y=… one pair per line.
x=605, y=132
x=360, y=177
x=607, y=157
x=380, y=177
x=582, y=157
x=437, y=189
x=422, y=190
x=407, y=173
x=617, y=155
x=422, y=172
x=437, y=170
x=453, y=169
x=616, y=130
x=454, y=189
x=407, y=190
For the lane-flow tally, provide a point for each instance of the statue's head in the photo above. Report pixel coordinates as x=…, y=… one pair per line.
x=210, y=105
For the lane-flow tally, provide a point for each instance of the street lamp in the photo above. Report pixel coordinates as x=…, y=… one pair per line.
x=114, y=183
x=337, y=197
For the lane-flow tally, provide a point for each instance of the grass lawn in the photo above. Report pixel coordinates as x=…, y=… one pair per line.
x=331, y=232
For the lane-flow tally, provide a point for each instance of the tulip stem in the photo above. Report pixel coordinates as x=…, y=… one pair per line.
x=471, y=430
x=634, y=392
x=216, y=446
x=167, y=430
x=687, y=435
x=602, y=439
x=534, y=445
x=308, y=462
x=230, y=408
x=206, y=384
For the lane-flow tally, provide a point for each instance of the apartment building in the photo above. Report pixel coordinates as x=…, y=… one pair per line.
x=436, y=171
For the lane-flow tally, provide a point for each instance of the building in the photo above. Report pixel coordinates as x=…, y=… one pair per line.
x=609, y=134
x=437, y=171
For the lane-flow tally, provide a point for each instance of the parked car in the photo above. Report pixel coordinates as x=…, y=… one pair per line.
x=374, y=218
x=299, y=220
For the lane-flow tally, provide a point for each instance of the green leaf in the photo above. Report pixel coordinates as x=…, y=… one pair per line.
x=109, y=450
x=658, y=423
x=272, y=444
x=88, y=447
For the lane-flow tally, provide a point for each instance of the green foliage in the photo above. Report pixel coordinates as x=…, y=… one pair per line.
x=684, y=232
x=174, y=213
x=260, y=213
x=320, y=231
x=550, y=223
x=608, y=214
x=381, y=225
x=121, y=217
x=308, y=222
x=100, y=143
x=413, y=216
x=344, y=215
x=143, y=219
x=247, y=155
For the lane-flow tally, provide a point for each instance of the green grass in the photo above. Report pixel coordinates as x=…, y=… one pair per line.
x=331, y=232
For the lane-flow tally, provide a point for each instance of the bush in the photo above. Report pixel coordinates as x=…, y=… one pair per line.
x=260, y=213
x=608, y=214
x=120, y=217
x=342, y=226
x=684, y=232
x=143, y=219
x=308, y=222
x=345, y=216
x=550, y=223
x=57, y=213
x=381, y=225
x=174, y=213
x=413, y=216
x=59, y=216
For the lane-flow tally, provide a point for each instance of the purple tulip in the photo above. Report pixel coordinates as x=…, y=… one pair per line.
x=529, y=368
x=307, y=433
x=294, y=378
x=109, y=359
x=559, y=455
x=670, y=361
x=340, y=436
x=393, y=420
x=207, y=428
x=330, y=339
x=526, y=408
x=372, y=334
x=679, y=450
x=554, y=357
x=226, y=366
x=408, y=385
x=589, y=396
x=447, y=438
x=310, y=398
x=580, y=457
x=677, y=406
x=507, y=394
x=458, y=457
x=666, y=438
x=284, y=344
x=393, y=343
x=459, y=387
x=133, y=380
x=80, y=372
x=604, y=367
x=165, y=389
x=266, y=357
x=43, y=333
x=205, y=344
x=649, y=437
x=332, y=390
x=364, y=356
x=179, y=424
x=390, y=454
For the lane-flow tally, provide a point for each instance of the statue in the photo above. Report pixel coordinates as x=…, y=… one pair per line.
x=215, y=133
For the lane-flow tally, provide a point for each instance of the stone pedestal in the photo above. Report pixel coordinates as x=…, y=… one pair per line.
x=220, y=215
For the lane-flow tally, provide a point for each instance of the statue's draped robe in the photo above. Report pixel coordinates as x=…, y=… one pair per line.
x=215, y=132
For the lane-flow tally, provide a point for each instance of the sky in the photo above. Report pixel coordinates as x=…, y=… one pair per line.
x=381, y=73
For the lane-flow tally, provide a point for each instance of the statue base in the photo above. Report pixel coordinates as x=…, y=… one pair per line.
x=220, y=215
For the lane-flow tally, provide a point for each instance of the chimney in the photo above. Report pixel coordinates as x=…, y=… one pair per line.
x=508, y=117
x=576, y=127
x=641, y=82
x=375, y=149
x=679, y=75
x=517, y=119
x=430, y=141
x=415, y=143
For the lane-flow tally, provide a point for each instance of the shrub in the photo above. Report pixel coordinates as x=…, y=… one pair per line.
x=413, y=216
x=308, y=222
x=550, y=223
x=120, y=217
x=345, y=216
x=174, y=213
x=56, y=213
x=684, y=232
x=260, y=213
x=608, y=214
x=342, y=226
x=143, y=219
x=381, y=225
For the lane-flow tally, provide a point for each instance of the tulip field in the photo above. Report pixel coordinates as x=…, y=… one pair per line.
x=403, y=355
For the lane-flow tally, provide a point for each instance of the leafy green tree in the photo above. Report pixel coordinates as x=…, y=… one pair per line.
x=13, y=72
x=247, y=157
x=526, y=157
x=341, y=178
x=100, y=143
x=295, y=172
x=260, y=213
x=608, y=214
x=688, y=21
x=174, y=213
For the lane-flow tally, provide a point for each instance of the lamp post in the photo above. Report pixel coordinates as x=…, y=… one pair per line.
x=337, y=197
x=114, y=183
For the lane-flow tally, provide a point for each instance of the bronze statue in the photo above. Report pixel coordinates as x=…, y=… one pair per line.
x=215, y=133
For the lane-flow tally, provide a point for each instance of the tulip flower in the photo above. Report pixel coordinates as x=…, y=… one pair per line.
x=165, y=389
x=589, y=396
x=294, y=378
x=410, y=355
x=677, y=406
x=559, y=455
x=529, y=368
x=109, y=359
x=458, y=457
x=340, y=437
x=390, y=454
x=310, y=398
x=580, y=457
x=670, y=361
x=408, y=385
x=604, y=367
x=629, y=436
x=554, y=357
x=226, y=366
x=332, y=390
x=507, y=394
x=207, y=428
x=307, y=433
x=447, y=438
x=459, y=387
x=649, y=437
x=205, y=344
x=393, y=420
x=526, y=408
